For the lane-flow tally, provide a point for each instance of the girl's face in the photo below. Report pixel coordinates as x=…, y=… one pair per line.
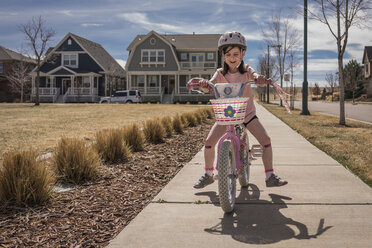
x=233, y=57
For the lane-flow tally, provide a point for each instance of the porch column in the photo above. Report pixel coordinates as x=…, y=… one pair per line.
x=72, y=85
x=91, y=81
x=160, y=84
x=129, y=80
x=145, y=84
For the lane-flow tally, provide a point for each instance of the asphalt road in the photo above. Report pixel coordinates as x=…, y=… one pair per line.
x=360, y=112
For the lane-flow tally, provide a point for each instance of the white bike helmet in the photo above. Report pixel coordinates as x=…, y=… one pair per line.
x=232, y=38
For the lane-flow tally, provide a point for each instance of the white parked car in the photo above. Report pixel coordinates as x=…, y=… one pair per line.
x=123, y=96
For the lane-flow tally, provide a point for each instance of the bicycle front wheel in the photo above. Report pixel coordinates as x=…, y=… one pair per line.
x=226, y=176
x=244, y=157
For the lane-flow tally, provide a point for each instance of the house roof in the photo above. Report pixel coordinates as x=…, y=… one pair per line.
x=185, y=41
x=108, y=63
x=368, y=50
x=7, y=54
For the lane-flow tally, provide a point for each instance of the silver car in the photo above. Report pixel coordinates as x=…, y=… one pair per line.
x=123, y=96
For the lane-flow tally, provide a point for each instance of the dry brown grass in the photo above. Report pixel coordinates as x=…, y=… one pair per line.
x=24, y=179
x=24, y=125
x=351, y=145
x=75, y=161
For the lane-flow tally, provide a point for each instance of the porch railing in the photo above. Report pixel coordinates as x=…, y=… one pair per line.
x=198, y=65
x=47, y=91
x=83, y=91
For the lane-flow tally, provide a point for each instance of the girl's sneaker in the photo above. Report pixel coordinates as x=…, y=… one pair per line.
x=204, y=181
x=275, y=181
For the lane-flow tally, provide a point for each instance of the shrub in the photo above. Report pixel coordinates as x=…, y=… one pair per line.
x=75, y=161
x=134, y=137
x=111, y=146
x=24, y=179
x=167, y=124
x=177, y=124
x=154, y=131
x=209, y=112
x=184, y=121
x=191, y=119
x=199, y=115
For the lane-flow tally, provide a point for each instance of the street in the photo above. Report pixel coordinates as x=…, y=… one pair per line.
x=360, y=112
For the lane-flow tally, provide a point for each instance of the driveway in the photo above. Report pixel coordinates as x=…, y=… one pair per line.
x=360, y=112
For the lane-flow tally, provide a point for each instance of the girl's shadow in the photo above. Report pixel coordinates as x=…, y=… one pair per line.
x=256, y=221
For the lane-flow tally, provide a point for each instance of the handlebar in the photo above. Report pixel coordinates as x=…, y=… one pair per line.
x=195, y=83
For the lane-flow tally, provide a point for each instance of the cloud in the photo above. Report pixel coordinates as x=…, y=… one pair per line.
x=121, y=62
x=91, y=25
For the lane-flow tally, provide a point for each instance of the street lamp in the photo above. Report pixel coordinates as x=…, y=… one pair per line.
x=268, y=69
x=305, y=110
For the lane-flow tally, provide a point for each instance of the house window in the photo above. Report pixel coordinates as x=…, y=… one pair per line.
x=141, y=81
x=183, y=56
x=145, y=56
x=95, y=82
x=69, y=42
x=152, y=81
x=69, y=60
x=86, y=82
x=210, y=56
x=1, y=67
x=366, y=66
x=152, y=56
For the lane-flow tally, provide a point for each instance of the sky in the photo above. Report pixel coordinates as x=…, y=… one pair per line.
x=115, y=23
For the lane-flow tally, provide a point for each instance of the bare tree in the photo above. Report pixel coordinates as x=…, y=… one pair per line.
x=283, y=37
x=37, y=36
x=19, y=78
x=332, y=82
x=340, y=16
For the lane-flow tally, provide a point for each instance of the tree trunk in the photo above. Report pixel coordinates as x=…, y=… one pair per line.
x=37, y=98
x=342, y=91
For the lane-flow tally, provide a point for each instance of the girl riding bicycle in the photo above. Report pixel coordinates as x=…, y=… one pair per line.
x=232, y=46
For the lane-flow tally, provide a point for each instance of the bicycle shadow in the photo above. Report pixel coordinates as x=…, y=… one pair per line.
x=256, y=221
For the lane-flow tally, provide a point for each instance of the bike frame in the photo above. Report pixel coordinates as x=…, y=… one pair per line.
x=235, y=138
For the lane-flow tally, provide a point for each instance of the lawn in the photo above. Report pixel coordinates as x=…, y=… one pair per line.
x=24, y=126
x=350, y=145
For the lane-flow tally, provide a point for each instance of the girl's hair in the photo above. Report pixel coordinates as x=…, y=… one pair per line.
x=225, y=67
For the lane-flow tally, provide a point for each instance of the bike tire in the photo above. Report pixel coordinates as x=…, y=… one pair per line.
x=244, y=157
x=226, y=176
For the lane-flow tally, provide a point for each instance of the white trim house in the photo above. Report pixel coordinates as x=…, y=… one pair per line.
x=78, y=70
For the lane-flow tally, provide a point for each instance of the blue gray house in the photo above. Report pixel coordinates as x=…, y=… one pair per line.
x=78, y=70
x=159, y=66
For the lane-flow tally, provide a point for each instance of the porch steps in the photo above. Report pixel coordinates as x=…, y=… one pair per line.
x=167, y=98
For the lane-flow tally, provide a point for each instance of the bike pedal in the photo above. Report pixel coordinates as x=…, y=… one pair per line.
x=256, y=151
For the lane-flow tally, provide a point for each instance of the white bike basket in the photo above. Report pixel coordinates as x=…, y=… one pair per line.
x=229, y=111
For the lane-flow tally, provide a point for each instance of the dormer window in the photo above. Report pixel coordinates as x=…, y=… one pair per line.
x=152, y=56
x=70, y=60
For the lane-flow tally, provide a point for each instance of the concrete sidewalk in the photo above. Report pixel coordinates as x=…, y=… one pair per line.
x=324, y=205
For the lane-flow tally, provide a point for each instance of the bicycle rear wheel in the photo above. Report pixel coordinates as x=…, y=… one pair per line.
x=244, y=157
x=226, y=176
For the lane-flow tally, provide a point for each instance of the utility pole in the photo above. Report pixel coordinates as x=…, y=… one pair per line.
x=305, y=110
x=268, y=73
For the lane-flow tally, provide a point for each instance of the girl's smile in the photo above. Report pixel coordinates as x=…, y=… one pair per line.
x=233, y=57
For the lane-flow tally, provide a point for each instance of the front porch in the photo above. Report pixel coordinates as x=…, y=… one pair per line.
x=64, y=89
x=172, y=87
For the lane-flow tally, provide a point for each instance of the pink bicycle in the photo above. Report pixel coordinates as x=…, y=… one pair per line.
x=233, y=154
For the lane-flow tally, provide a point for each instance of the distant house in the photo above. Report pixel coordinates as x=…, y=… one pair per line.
x=78, y=70
x=367, y=61
x=7, y=59
x=159, y=66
